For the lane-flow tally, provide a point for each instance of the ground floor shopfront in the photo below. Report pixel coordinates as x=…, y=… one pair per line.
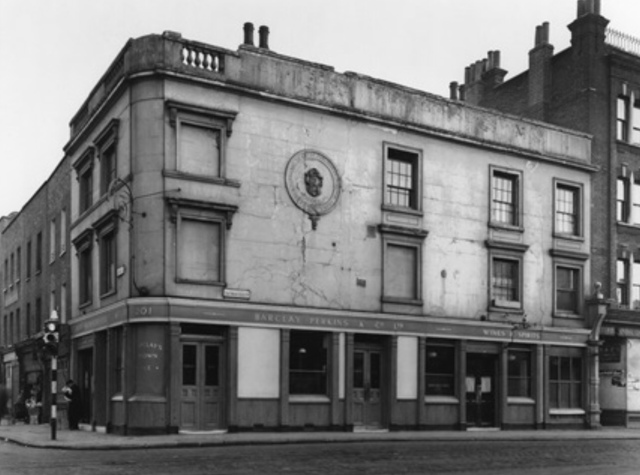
x=162, y=365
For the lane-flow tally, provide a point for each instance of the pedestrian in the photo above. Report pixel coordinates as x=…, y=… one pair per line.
x=33, y=407
x=71, y=393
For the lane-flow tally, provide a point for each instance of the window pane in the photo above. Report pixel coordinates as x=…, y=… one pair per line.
x=505, y=280
x=440, y=370
x=566, y=210
x=400, y=272
x=358, y=369
x=211, y=355
x=189, y=365
x=401, y=179
x=504, y=198
x=308, y=363
x=374, y=360
x=199, y=150
x=199, y=250
x=519, y=368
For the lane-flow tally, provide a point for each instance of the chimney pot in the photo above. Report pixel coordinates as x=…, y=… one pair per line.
x=263, y=31
x=248, y=33
x=453, y=90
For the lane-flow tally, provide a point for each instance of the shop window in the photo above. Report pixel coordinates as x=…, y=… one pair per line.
x=402, y=178
x=201, y=139
x=565, y=382
x=118, y=359
x=519, y=373
x=440, y=369
x=308, y=360
x=622, y=119
x=200, y=240
x=505, y=197
x=567, y=212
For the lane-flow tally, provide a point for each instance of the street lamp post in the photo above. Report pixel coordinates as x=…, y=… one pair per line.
x=51, y=339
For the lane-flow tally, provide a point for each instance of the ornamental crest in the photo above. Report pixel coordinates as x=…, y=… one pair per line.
x=313, y=183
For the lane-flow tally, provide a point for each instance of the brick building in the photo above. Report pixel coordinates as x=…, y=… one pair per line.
x=34, y=251
x=592, y=86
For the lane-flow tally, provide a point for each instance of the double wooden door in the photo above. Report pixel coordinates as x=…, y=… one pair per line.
x=367, y=387
x=202, y=394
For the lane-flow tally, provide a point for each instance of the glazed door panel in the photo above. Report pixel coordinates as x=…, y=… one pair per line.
x=201, y=401
x=481, y=390
x=367, y=377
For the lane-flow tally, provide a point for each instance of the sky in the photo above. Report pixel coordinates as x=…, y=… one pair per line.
x=52, y=52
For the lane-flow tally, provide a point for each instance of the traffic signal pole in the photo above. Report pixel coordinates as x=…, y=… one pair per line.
x=54, y=396
x=51, y=339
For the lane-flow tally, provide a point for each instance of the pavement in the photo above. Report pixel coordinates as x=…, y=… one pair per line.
x=40, y=436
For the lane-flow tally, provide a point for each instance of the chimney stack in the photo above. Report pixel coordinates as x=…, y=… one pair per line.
x=263, y=31
x=540, y=73
x=248, y=33
x=453, y=90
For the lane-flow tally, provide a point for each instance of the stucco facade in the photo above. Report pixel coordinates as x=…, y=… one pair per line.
x=243, y=294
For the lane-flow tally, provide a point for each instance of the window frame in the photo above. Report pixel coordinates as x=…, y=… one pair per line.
x=106, y=231
x=622, y=118
x=555, y=384
x=195, y=210
x=506, y=251
x=415, y=194
x=403, y=237
x=578, y=192
x=84, y=247
x=579, y=291
x=106, y=144
x=52, y=240
x=220, y=120
x=516, y=177
x=434, y=345
x=84, y=175
x=39, y=250
x=325, y=343
x=623, y=203
x=528, y=378
x=622, y=282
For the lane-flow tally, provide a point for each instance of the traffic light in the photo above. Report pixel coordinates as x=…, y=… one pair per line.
x=51, y=335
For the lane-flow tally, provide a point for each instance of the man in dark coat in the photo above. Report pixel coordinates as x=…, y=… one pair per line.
x=71, y=393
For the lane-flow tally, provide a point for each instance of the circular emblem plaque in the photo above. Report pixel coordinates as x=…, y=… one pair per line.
x=313, y=183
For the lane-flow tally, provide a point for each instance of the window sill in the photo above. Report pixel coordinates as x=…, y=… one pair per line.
x=403, y=301
x=567, y=315
x=402, y=209
x=567, y=412
x=117, y=397
x=309, y=398
x=524, y=401
x=506, y=305
x=569, y=237
x=628, y=225
x=506, y=227
x=85, y=305
x=180, y=280
x=216, y=180
x=441, y=400
x=108, y=293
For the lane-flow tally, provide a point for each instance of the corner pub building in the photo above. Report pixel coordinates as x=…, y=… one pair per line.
x=263, y=243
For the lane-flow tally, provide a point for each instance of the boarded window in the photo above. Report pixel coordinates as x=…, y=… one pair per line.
x=199, y=150
x=400, y=271
x=199, y=250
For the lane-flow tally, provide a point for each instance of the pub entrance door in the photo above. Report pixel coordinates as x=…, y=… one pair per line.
x=481, y=389
x=85, y=383
x=201, y=396
x=367, y=387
